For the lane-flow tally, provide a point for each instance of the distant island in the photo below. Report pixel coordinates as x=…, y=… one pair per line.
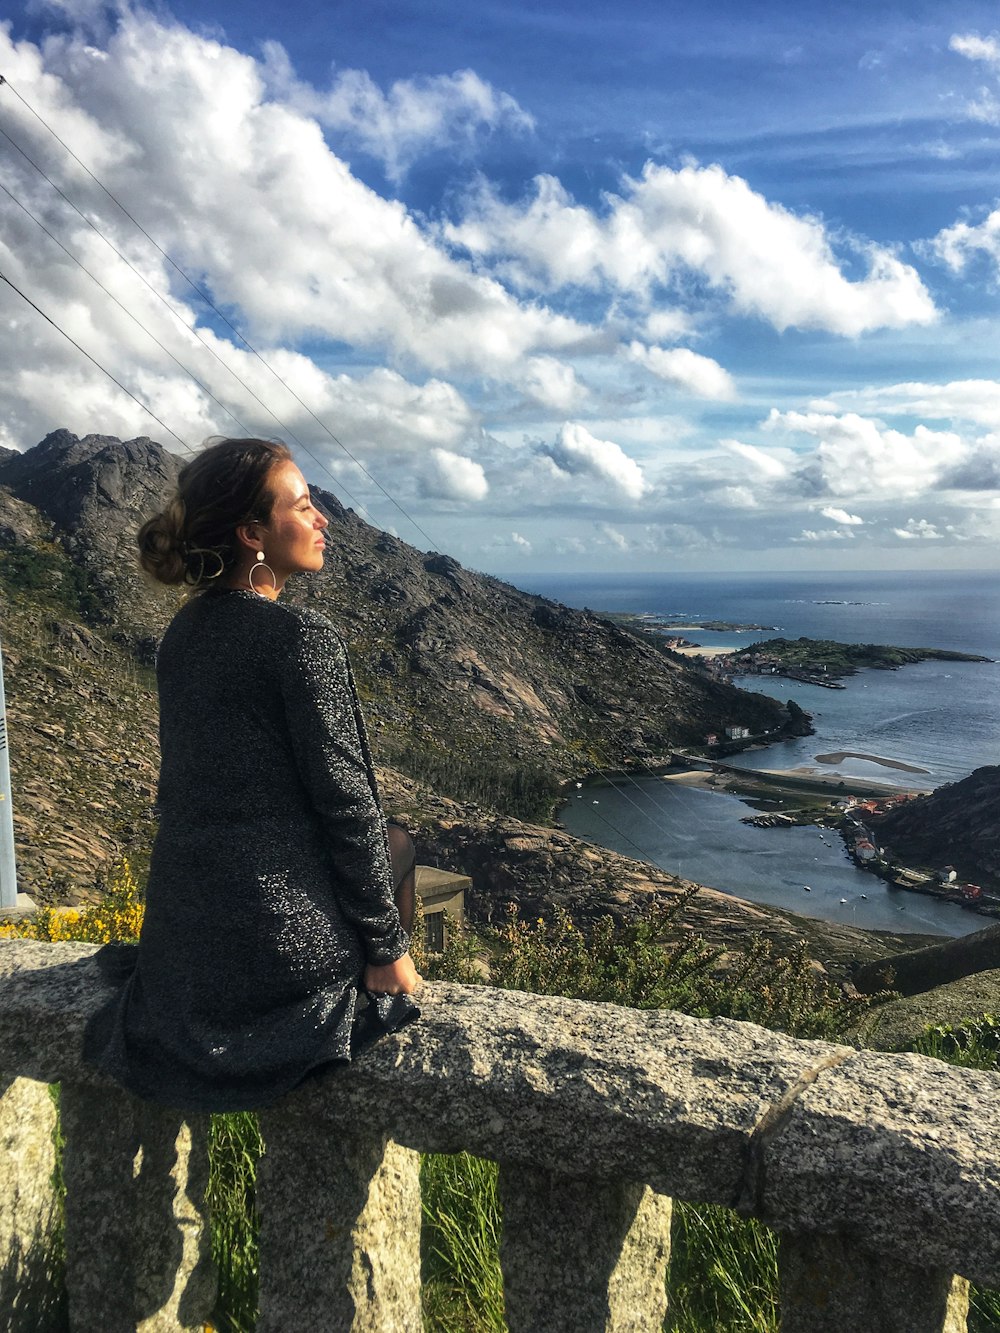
x=824, y=661
x=665, y=625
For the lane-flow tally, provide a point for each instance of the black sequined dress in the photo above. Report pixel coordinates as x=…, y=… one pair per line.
x=269, y=887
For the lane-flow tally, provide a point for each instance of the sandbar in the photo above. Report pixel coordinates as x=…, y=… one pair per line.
x=697, y=651
x=838, y=757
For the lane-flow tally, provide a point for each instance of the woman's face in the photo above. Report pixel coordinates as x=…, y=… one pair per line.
x=293, y=536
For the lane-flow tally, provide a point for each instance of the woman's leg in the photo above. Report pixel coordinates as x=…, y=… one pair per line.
x=403, y=858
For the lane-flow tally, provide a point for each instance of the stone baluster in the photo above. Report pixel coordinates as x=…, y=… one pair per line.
x=582, y=1256
x=340, y=1229
x=30, y=1285
x=137, y=1246
x=828, y=1285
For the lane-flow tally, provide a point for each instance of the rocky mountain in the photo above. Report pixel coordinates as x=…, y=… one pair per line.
x=489, y=694
x=474, y=691
x=957, y=825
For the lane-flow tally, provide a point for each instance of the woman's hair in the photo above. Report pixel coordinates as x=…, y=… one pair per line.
x=193, y=541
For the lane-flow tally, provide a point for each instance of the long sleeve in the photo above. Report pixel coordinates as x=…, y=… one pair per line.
x=331, y=751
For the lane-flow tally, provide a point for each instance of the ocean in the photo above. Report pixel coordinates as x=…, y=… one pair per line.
x=942, y=718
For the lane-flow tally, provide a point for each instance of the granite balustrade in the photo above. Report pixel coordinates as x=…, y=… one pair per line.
x=880, y=1172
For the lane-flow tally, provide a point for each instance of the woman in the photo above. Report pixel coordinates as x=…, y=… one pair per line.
x=272, y=944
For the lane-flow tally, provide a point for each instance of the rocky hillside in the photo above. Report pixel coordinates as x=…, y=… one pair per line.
x=957, y=825
x=487, y=693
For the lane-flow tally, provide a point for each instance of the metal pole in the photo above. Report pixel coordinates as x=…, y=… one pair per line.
x=8, y=868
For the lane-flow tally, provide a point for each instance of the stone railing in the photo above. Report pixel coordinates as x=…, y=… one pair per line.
x=881, y=1173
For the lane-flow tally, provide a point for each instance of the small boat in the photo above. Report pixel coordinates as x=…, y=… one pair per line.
x=807, y=888
x=864, y=897
x=843, y=900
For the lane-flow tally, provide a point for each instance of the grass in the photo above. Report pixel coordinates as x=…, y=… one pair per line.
x=972, y=1044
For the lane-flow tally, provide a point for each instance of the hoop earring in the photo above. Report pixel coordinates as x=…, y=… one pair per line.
x=261, y=564
x=199, y=553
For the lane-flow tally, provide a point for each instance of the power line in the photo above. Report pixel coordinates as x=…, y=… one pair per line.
x=207, y=299
x=204, y=296
x=192, y=329
x=123, y=308
x=48, y=319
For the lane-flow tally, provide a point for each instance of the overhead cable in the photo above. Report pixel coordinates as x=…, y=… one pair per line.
x=93, y=360
x=212, y=306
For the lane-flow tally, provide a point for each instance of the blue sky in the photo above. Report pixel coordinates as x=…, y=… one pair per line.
x=646, y=286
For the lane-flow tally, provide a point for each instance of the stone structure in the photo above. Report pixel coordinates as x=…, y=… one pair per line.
x=878, y=1171
x=442, y=903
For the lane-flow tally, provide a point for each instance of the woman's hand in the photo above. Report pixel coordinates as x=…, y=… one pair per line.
x=398, y=978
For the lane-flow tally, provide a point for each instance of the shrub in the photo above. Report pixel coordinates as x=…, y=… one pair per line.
x=118, y=916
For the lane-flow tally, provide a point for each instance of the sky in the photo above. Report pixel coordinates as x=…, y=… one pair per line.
x=548, y=286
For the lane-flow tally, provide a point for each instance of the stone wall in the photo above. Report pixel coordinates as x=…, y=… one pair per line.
x=879, y=1171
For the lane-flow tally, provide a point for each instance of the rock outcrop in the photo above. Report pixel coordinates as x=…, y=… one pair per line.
x=924, y=969
x=957, y=825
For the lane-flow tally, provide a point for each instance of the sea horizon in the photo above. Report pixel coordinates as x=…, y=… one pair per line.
x=940, y=718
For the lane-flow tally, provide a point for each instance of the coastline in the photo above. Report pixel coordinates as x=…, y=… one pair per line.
x=794, y=781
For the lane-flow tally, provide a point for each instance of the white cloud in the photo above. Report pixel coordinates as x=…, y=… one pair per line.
x=856, y=456
x=956, y=244
x=918, y=529
x=985, y=106
x=416, y=115
x=688, y=370
x=667, y=325
x=552, y=383
x=244, y=191
x=520, y=541
x=762, y=461
x=841, y=516
x=823, y=535
x=576, y=451
x=974, y=47
x=452, y=477
x=613, y=537
x=976, y=401
x=770, y=262
x=735, y=497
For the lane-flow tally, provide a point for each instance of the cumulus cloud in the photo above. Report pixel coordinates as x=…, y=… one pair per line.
x=667, y=325
x=576, y=451
x=552, y=383
x=857, y=456
x=771, y=263
x=976, y=401
x=687, y=370
x=761, y=461
x=955, y=245
x=918, y=529
x=841, y=516
x=243, y=190
x=414, y=116
x=974, y=47
x=452, y=477
x=822, y=535
x=980, y=471
x=985, y=106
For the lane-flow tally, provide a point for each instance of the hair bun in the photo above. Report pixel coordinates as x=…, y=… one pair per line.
x=162, y=548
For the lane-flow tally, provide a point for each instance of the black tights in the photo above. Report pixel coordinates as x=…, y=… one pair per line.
x=403, y=859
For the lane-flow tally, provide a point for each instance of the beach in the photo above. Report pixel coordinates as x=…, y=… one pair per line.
x=801, y=780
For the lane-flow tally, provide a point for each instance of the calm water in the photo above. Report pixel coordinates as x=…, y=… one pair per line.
x=939, y=716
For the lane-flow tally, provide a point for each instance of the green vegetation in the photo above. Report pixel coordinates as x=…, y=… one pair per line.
x=45, y=576
x=831, y=659
x=523, y=791
x=973, y=1044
